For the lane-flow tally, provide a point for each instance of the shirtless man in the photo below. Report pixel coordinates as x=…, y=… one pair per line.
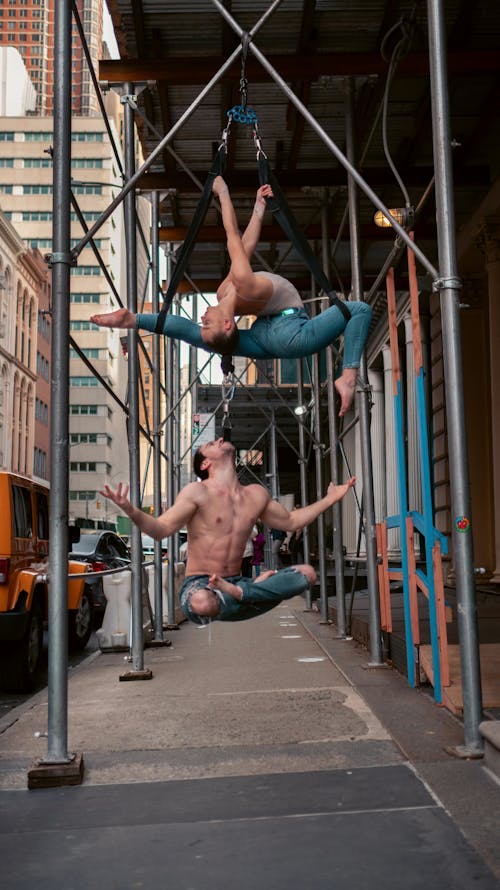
x=219, y=514
x=282, y=328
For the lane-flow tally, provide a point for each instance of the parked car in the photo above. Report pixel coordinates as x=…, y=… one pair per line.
x=100, y=550
x=183, y=545
x=24, y=590
x=148, y=544
x=148, y=547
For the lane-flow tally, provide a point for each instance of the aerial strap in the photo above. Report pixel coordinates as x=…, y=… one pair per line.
x=217, y=169
x=280, y=209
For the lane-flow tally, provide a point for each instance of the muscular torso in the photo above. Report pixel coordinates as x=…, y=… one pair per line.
x=221, y=526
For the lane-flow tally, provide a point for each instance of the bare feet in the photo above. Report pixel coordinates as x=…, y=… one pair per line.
x=120, y=318
x=264, y=575
x=346, y=387
x=225, y=586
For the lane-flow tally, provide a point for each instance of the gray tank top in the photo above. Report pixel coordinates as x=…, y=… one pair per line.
x=284, y=296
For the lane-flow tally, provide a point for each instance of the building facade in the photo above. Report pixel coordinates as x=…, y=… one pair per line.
x=41, y=439
x=98, y=442
x=28, y=25
x=22, y=278
x=17, y=93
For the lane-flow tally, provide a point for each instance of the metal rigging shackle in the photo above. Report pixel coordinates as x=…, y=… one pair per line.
x=228, y=387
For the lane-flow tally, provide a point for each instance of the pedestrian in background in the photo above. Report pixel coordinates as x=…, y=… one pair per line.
x=259, y=543
x=246, y=562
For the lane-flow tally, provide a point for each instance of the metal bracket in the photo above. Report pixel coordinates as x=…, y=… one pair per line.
x=129, y=99
x=440, y=284
x=69, y=259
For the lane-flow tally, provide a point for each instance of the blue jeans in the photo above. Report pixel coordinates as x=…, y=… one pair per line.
x=257, y=598
x=297, y=335
x=284, y=336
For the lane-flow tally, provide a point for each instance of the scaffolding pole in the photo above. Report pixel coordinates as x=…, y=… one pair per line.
x=274, y=561
x=137, y=646
x=363, y=398
x=157, y=490
x=169, y=448
x=449, y=288
x=177, y=425
x=304, y=495
x=318, y=461
x=337, y=543
x=59, y=422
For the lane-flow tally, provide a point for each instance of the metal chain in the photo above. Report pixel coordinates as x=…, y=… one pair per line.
x=228, y=388
x=245, y=42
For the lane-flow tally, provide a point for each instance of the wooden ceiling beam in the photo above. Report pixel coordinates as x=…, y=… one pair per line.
x=301, y=282
x=274, y=233
x=246, y=181
x=180, y=70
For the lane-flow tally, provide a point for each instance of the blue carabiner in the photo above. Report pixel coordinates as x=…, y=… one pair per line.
x=243, y=115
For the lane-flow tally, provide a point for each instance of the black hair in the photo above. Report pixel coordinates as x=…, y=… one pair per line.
x=197, y=462
x=225, y=342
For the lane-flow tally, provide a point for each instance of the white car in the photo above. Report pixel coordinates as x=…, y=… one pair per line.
x=148, y=546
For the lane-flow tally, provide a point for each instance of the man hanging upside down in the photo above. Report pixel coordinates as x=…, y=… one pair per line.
x=219, y=514
x=282, y=328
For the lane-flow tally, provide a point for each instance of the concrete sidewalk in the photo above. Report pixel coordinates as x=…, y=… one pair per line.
x=261, y=754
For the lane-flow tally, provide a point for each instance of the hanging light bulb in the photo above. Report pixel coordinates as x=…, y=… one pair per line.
x=300, y=410
x=402, y=215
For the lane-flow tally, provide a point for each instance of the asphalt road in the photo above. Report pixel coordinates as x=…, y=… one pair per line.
x=8, y=701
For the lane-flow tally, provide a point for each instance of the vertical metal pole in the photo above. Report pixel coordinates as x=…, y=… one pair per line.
x=169, y=448
x=193, y=366
x=177, y=424
x=59, y=449
x=169, y=402
x=318, y=459
x=304, y=494
x=155, y=300
x=449, y=286
x=363, y=403
x=133, y=388
x=275, y=490
x=337, y=545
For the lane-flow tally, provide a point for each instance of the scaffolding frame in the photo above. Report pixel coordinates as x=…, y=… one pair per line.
x=446, y=281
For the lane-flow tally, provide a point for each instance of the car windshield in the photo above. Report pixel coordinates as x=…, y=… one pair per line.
x=148, y=543
x=86, y=544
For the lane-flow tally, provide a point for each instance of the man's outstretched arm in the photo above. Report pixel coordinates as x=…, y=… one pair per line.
x=276, y=516
x=173, y=519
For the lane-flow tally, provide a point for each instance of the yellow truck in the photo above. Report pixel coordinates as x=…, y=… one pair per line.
x=24, y=590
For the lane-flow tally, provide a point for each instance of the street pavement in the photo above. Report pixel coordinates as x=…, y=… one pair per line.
x=262, y=754
x=10, y=700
